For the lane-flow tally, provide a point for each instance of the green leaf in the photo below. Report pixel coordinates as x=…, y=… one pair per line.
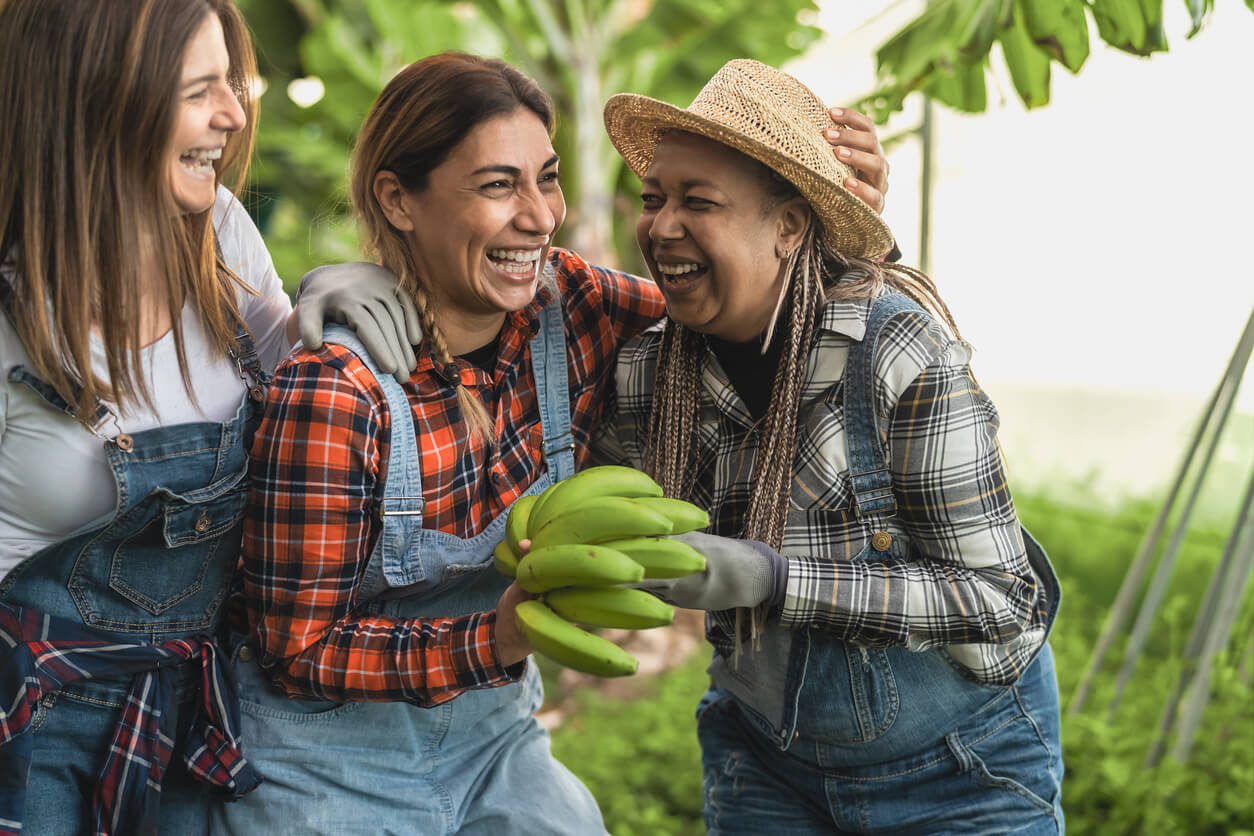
x=1028, y=64
x=960, y=86
x=1059, y=27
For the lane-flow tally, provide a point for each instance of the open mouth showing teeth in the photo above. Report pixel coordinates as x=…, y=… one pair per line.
x=521, y=262
x=200, y=160
x=682, y=273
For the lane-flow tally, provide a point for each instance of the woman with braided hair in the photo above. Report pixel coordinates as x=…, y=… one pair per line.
x=878, y=615
x=370, y=600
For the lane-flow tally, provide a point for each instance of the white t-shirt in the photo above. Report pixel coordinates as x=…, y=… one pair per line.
x=54, y=477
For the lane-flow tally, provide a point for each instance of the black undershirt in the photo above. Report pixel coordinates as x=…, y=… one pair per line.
x=750, y=372
x=483, y=357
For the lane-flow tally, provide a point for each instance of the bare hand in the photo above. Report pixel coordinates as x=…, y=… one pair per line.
x=511, y=645
x=857, y=145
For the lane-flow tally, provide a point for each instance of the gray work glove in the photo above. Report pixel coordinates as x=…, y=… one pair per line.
x=738, y=573
x=364, y=297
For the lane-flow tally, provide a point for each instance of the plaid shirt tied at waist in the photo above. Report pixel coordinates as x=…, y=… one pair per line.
x=40, y=654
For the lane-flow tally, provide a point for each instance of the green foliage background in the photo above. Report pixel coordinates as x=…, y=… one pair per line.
x=642, y=762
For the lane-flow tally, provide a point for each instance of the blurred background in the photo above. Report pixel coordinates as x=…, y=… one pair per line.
x=1075, y=175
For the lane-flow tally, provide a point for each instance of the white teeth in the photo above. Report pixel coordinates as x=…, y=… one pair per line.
x=679, y=269
x=515, y=255
x=203, y=154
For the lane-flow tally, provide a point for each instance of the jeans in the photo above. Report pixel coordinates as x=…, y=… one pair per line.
x=997, y=772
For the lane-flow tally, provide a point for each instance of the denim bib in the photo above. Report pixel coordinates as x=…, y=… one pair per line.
x=861, y=704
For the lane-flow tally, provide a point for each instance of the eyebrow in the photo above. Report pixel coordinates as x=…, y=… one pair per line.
x=511, y=170
x=192, y=82
x=683, y=184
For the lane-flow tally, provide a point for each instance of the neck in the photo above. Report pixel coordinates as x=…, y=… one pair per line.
x=464, y=332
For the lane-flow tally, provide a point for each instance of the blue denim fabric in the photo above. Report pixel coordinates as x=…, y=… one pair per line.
x=995, y=772
x=157, y=569
x=479, y=764
x=810, y=732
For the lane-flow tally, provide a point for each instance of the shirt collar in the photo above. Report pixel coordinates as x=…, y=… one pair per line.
x=847, y=317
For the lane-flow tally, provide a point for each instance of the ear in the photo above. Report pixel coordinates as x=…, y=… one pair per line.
x=391, y=196
x=794, y=217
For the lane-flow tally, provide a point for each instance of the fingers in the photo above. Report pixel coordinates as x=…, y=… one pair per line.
x=867, y=193
x=394, y=314
x=857, y=145
x=378, y=338
x=413, y=322
x=309, y=321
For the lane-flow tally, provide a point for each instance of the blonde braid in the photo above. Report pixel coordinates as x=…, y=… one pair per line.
x=475, y=413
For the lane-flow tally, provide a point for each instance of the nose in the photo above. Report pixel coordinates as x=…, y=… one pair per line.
x=666, y=225
x=535, y=216
x=229, y=114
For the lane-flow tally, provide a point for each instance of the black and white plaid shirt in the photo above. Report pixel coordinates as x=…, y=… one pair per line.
x=965, y=583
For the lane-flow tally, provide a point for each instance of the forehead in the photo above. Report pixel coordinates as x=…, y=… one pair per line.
x=692, y=157
x=517, y=139
x=206, y=51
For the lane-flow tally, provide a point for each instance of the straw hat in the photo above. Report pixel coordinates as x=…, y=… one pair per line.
x=771, y=117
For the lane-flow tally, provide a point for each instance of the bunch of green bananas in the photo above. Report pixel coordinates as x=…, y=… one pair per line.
x=592, y=535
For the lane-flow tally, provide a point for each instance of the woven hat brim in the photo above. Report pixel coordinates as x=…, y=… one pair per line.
x=635, y=125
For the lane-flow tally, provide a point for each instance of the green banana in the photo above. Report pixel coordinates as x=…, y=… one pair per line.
x=516, y=522
x=505, y=559
x=684, y=516
x=595, y=482
x=569, y=645
x=610, y=606
x=576, y=564
x=661, y=557
x=600, y=519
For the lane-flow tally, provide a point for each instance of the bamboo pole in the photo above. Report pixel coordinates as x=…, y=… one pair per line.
x=1217, y=639
x=1224, y=578
x=1121, y=609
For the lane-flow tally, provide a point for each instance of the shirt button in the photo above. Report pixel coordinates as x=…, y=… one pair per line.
x=246, y=654
x=881, y=541
x=496, y=478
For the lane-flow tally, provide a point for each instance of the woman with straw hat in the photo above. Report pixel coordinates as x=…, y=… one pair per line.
x=879, y=617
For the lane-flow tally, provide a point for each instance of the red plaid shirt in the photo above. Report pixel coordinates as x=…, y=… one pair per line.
x=319, y=462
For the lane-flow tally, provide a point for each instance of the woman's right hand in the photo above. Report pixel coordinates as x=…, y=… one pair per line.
x=511, y=645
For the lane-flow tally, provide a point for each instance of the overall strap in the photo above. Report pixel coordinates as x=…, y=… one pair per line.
x=871, y=479
x=549, y=365
x=248, y=364
x=401, y=506
x=21, y=374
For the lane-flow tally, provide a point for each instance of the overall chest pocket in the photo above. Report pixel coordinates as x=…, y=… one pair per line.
x=164, y=565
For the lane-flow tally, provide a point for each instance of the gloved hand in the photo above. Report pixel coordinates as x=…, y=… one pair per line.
x=364, y=297
x=738, y=573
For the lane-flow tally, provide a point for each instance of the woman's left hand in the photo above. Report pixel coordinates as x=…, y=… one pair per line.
x=855, y=144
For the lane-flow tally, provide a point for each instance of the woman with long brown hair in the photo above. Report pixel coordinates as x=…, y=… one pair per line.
x=140, y=317
x=879, y=617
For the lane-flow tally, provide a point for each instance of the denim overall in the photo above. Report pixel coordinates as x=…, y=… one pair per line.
x=478, y=764
x=878, y=739
x=157, y=569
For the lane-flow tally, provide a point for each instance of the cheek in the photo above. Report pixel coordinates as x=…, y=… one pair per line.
x=557, y=205
x=643, y=225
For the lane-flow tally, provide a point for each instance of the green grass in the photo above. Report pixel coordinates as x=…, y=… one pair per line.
x=641, y=760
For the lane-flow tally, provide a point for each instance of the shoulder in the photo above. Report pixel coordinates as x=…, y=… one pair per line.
x=637, y=369
x=333, y=378
x=910, y=341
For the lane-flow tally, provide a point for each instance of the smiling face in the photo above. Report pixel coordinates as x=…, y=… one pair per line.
x=714, y=236
x=207, y=114
x=482, y=227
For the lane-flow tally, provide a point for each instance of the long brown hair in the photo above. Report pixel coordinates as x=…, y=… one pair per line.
x=423, y=113
x=815, y=274
x=89, y=93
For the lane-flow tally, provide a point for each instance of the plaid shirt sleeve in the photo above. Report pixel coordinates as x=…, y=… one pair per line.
x=307, y=537
x=968, y=580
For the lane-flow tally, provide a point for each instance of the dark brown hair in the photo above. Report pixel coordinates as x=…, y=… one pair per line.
x=423, y=113
x=89, y=91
